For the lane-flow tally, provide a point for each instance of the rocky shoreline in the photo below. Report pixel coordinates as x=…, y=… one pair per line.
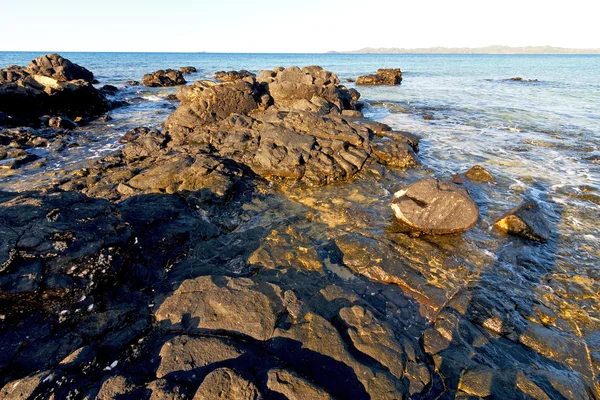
x=212, y=259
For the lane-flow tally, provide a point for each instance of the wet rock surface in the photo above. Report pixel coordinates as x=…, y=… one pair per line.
x=50, y=84
x=163, y=77
x=188, y=70
x=389, y=76
x=204, y=270
x=526, y=220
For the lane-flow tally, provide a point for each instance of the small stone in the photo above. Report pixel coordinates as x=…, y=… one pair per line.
x=478, y=174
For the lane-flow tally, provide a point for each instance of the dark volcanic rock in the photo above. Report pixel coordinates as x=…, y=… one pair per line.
x=56, y=247
x=168, y=77
x=435, y=207
x=188, y=70
x=59, y=68
x=62, y=123
x=526, y=220
x=390, y=76
x=50, y=85
x=230, y=76
x=109, y=89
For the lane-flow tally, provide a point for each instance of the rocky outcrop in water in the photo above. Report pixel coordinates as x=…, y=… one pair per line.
x=163, y=77
x=435, y=207
x=287, y=123
x=51, y=85
x=230, y=76
x=389, y=76
x=479, y=174
x=188, y=70
x=525, y=220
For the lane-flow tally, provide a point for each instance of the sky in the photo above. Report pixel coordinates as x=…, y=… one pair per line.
x=301, y=26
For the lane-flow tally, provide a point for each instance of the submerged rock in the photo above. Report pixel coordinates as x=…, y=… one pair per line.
x=526, y=220
x=435, y=207
x=160, y=78
x=390, y=76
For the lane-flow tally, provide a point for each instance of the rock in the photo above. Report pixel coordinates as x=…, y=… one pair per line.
x=391, y=76
x=161, y=78
x=286, y=125
x=240, y=306
x=526, y=220
x=188, y=70
x=293, y=386
x=132, y=83
x=74, y=242
x=62, y=123
x=142, y=142
x=182, y=357
x=171, y=97
x=519, y=79
x=230, y=76
x=59, y=68
x=109, y=89
x=115, y=387
x=18, y=162
x=227, y=384
x=50, y=85
x=162, y=389
x=478, y=174
x=24, y=388
x=435, y=207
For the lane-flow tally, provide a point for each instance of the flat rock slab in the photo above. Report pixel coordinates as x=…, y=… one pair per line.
x=435, y=207
x=525, y=220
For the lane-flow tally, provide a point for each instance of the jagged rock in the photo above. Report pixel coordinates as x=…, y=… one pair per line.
x=478, y=174
x=160, y=78
x=390, y=76
x=114, y=387
x=230, y=76
x=227, y=384
x=142, y=142
x=188, y=70
x=435, y=207
x=24, y=388
x=59, y=68
x=526, y=220
x=50, y=85
x=293, y=386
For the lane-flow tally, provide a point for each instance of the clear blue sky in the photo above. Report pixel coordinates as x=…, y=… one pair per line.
x=299, y=26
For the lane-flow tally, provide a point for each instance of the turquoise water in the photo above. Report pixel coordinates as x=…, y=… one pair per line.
x=540, y=139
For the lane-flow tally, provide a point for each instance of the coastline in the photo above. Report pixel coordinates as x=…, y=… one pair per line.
x=319, y=286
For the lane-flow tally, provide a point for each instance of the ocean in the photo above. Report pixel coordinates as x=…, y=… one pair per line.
x=540, y=139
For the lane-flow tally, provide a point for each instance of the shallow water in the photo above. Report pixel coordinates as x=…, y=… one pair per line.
x=540, y=140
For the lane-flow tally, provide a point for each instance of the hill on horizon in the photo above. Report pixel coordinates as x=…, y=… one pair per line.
x=494, y=49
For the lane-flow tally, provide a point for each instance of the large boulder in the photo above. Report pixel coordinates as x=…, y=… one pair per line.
x=526, y=220
x=390, y=76
x=50, y=85
x=435, y=207
x=59, y=68
x=163, y=77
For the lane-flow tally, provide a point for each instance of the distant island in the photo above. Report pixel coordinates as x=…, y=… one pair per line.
x=468, y=50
